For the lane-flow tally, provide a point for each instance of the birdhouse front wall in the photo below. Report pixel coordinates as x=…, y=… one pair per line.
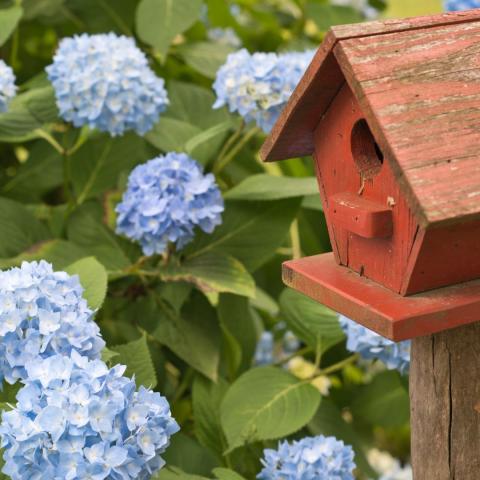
x=371, y=227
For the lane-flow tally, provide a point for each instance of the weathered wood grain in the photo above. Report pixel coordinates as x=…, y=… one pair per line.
x=420, y=91
x=445, y=405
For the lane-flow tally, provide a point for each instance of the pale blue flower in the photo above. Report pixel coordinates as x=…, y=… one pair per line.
x=290, y=343
x=452, y=5
x=312, y=458
x=370, y=345
x=264, y=349
x=258, y=86
x=7, y=86
x=104, y=81
x=166, y=198
x=43, y=313
x=84, y=421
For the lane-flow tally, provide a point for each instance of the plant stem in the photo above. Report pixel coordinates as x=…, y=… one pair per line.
x=232, y=139
x=227, y=158
x=339, y=365
x=295, y=240
x=14, y=50
x=50, y=139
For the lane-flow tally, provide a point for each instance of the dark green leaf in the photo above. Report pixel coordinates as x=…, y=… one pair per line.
x=9, y=18
x=383, y=402
x=325, y=15
x=174, y=473
x=205, y=57
x=270, y=187
x=227, y=474
x=213, y=272
x=207, y=397
x=93, y=278
x=136, y=356
x=250, y=232
x=266, y=403
x=194, y=335
x=20, y=229
x=159, y=21
x=311, y=321
x=186, y=453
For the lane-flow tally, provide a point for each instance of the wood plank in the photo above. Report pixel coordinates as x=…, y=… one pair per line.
x=444, y=405
x=420, y=91
x=380, y=309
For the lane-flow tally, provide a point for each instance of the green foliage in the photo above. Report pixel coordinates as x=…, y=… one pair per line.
x=272, y=394
x=187, y=323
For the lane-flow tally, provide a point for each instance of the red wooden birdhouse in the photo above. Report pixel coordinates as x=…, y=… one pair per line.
x=390, y=112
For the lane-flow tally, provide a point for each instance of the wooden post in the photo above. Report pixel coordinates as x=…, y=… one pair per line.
x=445, y=405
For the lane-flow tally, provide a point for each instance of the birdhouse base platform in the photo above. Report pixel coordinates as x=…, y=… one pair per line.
x=391, y=315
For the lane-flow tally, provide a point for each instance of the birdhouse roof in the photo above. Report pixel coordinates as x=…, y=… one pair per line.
x=418, y=83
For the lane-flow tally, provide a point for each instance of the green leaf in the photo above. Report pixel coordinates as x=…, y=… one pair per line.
x=86, y=231
x=244, y=233
x=9, y=18
x=205, y=57
x=238, y=326
x=206, y=399
x=313, y=202
x=384, y=402
x=325, y=15
x=194, y=335
x=174, y=473
x=171, y=134
x=213, y=273
x=271, y=187
x=93, y=278
x=59, y=253
x=136, y=356
x=19, y=229
x=328, y=421
x=186, y=453
x=311, y=321
x=226, y=474
x=41, y=173
x=97, y=165
x=108, y=356
x=206, y=136
x=27, y=112
x=266, y=403
x=159, y=21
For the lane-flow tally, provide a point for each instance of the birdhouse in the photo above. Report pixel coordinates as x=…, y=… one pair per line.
x=390, y=113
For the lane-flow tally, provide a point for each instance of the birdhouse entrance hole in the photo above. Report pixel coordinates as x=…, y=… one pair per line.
x=366, y=153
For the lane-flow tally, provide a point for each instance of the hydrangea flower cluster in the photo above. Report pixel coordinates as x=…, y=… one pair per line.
x=166, y=198
x=453, y=5
x=104, y=81
x=42, y=313
x=308, y=459
x=224, y=36
x=7, y=86
x=258, y=86
x=373, y=346
x=77, y=419
x=389, y=467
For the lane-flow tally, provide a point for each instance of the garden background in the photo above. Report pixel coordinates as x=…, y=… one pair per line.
x=243, y=361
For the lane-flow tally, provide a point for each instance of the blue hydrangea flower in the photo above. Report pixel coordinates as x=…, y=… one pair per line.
x=76, y=419
x=42, y=313
x=166, y=198
x=264, y=349
x=453, y=5
x=224, y=36
x=308, y=459
x=7, y=86
x=290, y=343
x=373, y=346
x=104, y=81
x=258, y=86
